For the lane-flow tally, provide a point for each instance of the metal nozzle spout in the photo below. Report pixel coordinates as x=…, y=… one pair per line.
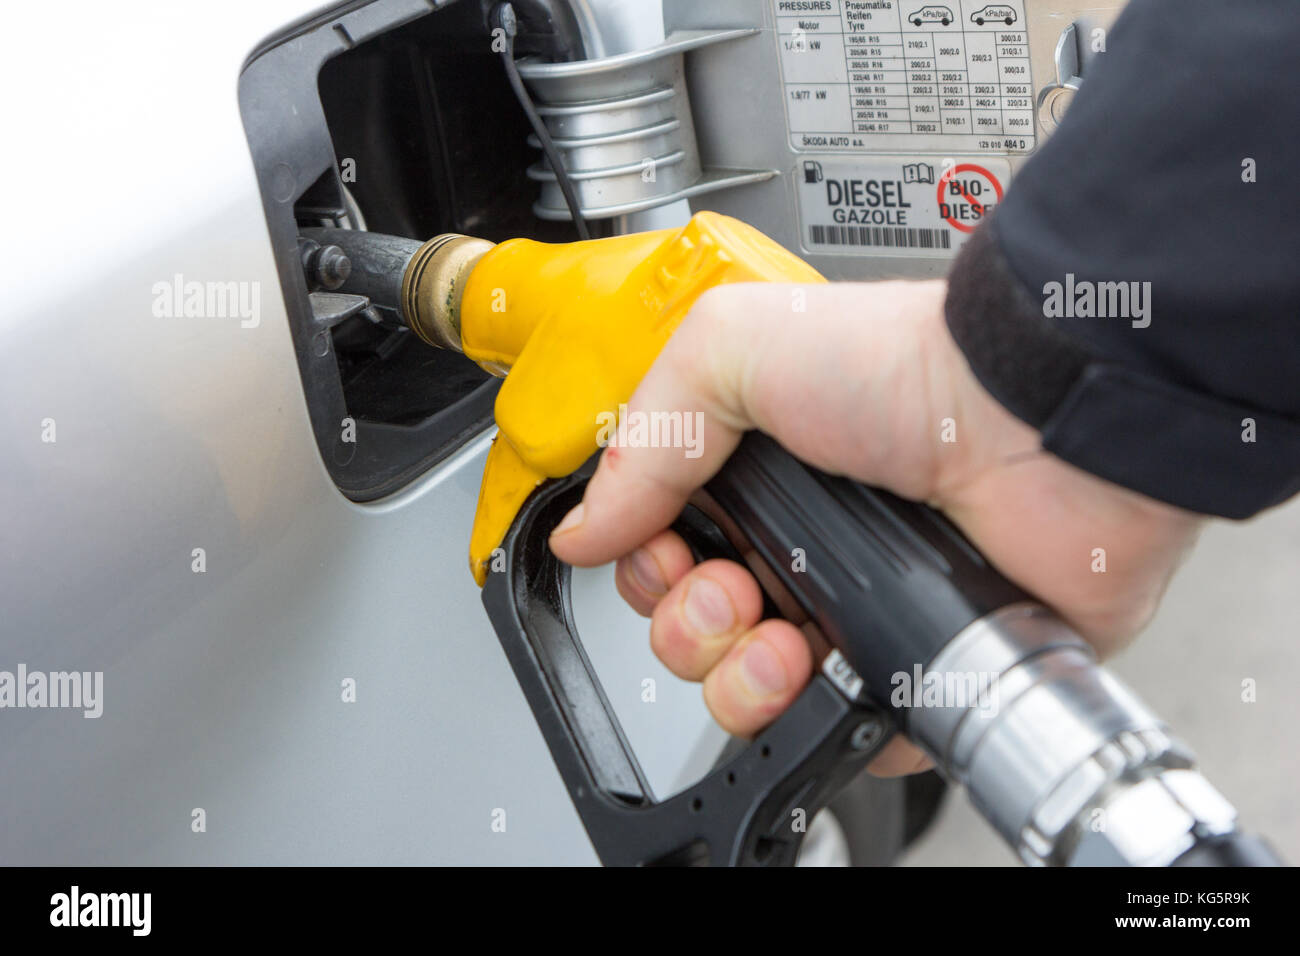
x=433, y=285
x=421, y=282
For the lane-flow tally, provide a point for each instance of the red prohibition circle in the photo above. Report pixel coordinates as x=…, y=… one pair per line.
x=966, y=168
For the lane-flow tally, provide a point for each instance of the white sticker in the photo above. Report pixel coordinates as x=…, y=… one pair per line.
x=895, y=206
x=880, y=75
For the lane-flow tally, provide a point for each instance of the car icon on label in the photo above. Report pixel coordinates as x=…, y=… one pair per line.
x=931, y=14
x=993, y=13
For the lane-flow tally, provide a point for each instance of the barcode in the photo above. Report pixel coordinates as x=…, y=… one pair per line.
x=887, y=237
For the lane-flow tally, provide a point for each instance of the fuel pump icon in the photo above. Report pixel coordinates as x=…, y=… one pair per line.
x=812, y=171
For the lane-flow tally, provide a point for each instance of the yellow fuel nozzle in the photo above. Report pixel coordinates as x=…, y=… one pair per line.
x=576, y=326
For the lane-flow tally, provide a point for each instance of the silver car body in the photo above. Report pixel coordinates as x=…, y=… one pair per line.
x=170, y=523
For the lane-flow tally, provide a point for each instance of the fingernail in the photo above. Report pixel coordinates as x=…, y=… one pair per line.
x=571, y=520
x=763, y=670
x=708, y=608
x=645, y=571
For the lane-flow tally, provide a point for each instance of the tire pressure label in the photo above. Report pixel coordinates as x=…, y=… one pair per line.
x=895, y=206
x=906, y=75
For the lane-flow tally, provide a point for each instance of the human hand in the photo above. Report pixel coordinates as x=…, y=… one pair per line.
x=860, y=381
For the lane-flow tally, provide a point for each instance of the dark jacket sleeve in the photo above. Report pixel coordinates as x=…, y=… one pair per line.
x=1191, y=393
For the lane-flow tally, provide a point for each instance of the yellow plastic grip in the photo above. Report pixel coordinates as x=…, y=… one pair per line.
x=577, y=326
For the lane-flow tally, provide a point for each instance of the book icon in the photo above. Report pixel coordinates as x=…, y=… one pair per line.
x=918, y=173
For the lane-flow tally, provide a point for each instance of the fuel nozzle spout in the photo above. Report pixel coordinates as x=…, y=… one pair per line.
x=434, y=285
x=421, y=282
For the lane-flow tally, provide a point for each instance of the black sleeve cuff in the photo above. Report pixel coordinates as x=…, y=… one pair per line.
x=1180, y=446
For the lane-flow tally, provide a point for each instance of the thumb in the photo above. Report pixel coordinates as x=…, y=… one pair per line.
x=690, y=401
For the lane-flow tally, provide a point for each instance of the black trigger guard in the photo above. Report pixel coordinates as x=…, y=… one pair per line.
x=746, y=812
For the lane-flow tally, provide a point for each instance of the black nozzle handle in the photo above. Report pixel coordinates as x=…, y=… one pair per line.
x=889, y=582
x=745, y=812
